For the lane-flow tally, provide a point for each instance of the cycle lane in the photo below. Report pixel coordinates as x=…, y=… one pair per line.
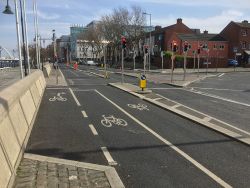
x=61, y=130
x=142, y=159
x=226, y=158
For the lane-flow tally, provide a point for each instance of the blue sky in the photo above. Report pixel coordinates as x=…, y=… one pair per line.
x=212, y=15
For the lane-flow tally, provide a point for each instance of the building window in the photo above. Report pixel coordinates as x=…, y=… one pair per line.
x=244, y=32
x=243, y=45
x=222, y=47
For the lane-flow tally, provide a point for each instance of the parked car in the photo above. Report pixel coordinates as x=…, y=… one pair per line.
x=90, y=62
x=232, y=62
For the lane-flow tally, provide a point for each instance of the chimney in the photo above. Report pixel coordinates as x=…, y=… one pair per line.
x=245, y=21
x=205, y=32
x=157, y=27
x=179, y=21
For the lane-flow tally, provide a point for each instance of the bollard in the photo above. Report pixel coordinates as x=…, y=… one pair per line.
x=143, y=82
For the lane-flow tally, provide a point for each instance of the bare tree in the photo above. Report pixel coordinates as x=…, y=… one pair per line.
x=123, y=22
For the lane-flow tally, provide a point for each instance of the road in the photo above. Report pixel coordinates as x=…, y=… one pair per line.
x=149, y=147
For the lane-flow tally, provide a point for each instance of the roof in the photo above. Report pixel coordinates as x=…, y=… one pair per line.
x=243, y=24
x=201, y=37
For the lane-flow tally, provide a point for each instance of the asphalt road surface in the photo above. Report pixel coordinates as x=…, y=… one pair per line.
x=91, y=122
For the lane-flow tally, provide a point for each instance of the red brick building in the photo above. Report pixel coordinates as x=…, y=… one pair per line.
x=238, y=36
x=160, y=37
x=214, y=48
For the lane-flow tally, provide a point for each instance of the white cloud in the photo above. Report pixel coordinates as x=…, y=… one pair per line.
x=213, y=24
x=44, y=15
x=245, y=4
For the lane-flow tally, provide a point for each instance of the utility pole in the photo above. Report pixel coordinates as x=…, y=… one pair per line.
x=124, y=42
x=23, y=38
x=185, y=49
x=174, y=49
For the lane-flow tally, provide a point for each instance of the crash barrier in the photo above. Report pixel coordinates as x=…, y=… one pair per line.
x=19, y=104
x=47, y=69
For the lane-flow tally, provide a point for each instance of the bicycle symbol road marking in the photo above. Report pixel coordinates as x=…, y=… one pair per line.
x=108, y=121
x=139, y=106
x=58, y=97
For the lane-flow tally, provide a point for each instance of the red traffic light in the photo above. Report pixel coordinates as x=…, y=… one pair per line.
x=124, y=42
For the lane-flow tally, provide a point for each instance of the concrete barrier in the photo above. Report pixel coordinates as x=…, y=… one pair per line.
x=19, y=104
x=47, y=69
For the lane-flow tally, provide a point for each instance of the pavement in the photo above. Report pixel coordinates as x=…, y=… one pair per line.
x=40, y=171
x=9, y=76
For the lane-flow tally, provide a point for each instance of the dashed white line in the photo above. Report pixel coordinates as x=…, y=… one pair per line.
x=76, y=100
x=84, y=114
x=108, y=156
x=92, y=128
x=183, y=154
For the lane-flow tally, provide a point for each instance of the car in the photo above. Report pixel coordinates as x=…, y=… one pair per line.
x=232, y=62
x=90, y=62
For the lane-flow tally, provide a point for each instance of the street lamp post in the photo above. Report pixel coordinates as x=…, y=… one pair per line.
x=23, y=38
x=8, y=11
x=26, y=35
x=149, y=55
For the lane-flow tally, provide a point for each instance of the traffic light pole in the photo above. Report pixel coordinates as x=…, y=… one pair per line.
x=184, y=66
x=194, y=60
x=172, y=66
x=122, y=65
x=198, y=65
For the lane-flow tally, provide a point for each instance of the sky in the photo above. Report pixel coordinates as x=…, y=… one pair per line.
x=210, y=15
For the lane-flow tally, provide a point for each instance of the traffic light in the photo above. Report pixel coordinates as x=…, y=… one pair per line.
x=198, y=51
x=124, y=42
x=174, y=46
x=146, y=50
x=185, y=47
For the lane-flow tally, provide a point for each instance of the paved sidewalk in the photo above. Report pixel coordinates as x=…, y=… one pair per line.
x=201, y=118
x=37, y=171
x=47, y=172
x=56, y=78
x=8, y=76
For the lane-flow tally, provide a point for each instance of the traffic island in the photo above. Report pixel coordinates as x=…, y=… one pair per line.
x=188, y=113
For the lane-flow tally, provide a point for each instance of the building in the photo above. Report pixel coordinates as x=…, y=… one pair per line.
x=75, y=46
x=238, y=36
x=160, y=37
x=63, y=47
x=213, y=47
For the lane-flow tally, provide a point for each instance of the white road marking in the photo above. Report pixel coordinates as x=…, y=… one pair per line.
x=218, y=97
x=183, y=154
x=84, y=114
x=92, y=128
x=108, y=156
x=217, y=89
x=221, y=75
x=76, y=100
